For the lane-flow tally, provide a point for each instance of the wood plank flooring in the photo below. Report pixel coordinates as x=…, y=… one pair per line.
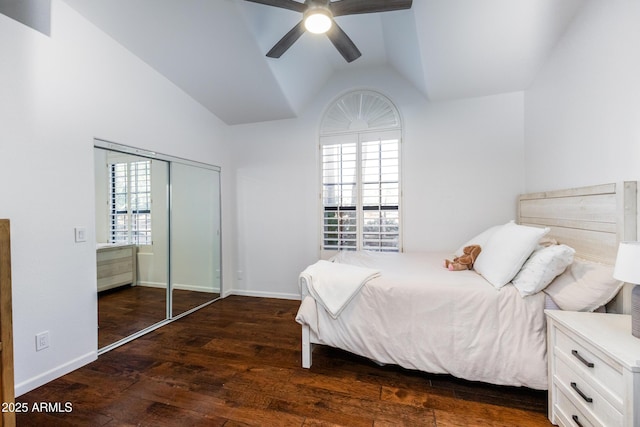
x=237, y=363
x=128, y=309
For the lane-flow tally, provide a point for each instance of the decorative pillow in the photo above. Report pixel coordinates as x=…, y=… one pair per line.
x=549, y=304
x=542, y=267
x=506, y=251
x=584, y=286
x=480, y=239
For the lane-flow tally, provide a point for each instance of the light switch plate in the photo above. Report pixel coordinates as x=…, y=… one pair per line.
x=81, y=234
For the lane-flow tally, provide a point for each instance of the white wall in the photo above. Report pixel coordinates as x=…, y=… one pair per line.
x=56, y=95
x=582, y=112
x=462, y=162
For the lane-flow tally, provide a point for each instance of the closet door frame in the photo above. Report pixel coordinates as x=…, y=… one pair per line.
x=169, y=317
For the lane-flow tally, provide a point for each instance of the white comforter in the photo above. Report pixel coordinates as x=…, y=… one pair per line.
x=419, y=315
x=333, y=284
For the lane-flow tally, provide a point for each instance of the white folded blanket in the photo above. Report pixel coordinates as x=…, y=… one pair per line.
x=333, y=284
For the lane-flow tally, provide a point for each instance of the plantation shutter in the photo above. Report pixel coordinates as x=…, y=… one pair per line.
x=361, y=191
x=340, y=192
x=380, y=177
x=130, y=204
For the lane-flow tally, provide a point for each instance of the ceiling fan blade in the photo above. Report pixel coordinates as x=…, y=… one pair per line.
x=343, y=43
x=284, y=4
x=352, y=7
x=287, y=41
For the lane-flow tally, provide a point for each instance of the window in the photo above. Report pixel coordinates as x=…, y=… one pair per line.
x=130, y=202
x=361, y=192
x=360, y=139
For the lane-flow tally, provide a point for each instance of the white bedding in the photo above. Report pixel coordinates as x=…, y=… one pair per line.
x=419, y=315
x=333, y=284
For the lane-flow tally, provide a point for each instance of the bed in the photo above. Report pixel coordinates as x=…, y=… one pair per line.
x=414, y=313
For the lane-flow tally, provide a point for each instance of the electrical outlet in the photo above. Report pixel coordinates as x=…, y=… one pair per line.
x=42, y=340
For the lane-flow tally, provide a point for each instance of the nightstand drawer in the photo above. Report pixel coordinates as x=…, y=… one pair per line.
x=585, y=396
x=599, y=370
x=599, y=355
x=569, y=415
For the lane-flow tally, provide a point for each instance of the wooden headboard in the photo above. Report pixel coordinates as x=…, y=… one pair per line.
x=592, y=220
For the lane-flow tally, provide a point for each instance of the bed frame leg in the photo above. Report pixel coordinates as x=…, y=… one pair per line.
x=307, y=347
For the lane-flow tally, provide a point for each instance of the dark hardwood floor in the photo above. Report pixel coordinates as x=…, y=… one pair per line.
x=237, y=363
x=128, y=309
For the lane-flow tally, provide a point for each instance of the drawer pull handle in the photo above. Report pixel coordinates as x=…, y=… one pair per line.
x=575, y=420
x=582, y=395
x=582, y=359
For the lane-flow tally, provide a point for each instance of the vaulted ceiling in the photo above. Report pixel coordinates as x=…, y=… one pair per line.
x=215, y=49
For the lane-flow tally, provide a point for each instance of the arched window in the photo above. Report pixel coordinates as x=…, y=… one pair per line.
x=360, y=138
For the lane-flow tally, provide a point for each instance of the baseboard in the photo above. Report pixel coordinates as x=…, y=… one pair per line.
x=159, y=285
x=262, y=294
x=179, y=286
x=44, y=378
x=196, y=288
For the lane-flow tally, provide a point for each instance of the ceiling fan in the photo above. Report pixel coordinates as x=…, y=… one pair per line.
x=318, y=18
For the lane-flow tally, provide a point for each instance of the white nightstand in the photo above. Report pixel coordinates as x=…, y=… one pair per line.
x=594, y=369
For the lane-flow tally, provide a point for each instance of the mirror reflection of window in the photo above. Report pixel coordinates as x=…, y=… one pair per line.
x=130, y=202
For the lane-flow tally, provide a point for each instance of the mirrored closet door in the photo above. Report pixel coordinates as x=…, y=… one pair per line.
x=158, y=247
x=195, y=236
x=132, y=254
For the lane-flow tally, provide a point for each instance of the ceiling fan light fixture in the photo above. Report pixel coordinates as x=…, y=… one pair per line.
x=317, y=17
x=318, y=21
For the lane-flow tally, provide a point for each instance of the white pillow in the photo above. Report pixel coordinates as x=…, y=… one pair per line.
x=480, y=239
x=542, y=267
x=584, y=286
x=506, y=251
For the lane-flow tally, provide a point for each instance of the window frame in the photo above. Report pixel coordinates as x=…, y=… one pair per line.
x=359, y=138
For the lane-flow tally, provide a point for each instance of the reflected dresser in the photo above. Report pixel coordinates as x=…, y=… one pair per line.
x=116, y=265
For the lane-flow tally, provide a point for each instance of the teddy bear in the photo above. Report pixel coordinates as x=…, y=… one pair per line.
x=464, y=261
